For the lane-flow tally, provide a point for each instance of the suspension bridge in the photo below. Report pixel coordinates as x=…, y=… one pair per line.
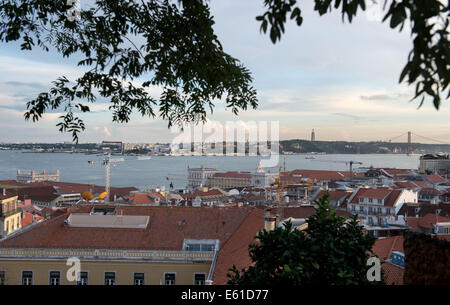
x=409, y=135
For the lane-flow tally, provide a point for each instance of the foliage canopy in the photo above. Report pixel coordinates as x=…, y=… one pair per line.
x=128, y=47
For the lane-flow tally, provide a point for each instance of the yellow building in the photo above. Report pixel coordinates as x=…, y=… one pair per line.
x=131, y=245
x=230, y=180
x=10, y=213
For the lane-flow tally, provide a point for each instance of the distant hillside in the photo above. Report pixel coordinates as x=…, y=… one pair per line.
x=342, y=147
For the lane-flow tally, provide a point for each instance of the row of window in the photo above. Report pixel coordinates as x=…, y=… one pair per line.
x=371, y=200
x=10, y=206
x=14, y=224
x=110, y=278
x=372, y=210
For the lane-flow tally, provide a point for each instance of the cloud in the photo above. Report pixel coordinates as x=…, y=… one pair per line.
x=385, y=97
x=24, y=84
x=347, y=115
x=106, y=132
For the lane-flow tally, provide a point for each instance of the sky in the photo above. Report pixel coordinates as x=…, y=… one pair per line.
x=337, y=78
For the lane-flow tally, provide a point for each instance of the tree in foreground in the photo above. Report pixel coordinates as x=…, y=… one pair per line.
x=128, y=48
x=331, y=251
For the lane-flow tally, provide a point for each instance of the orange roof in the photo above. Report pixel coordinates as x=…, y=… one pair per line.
x=235, y=250
x=70, y=187
x=167, y=229
x=27, y=219
x=142, y=198
x=406, y=184
x=43, y=193
x=383, y=247
x=11, y=182
x=234, y=174
x=8, y=194
x=396, y=171
x=389, y=195
x=393, y=274
x=334, y=195
x=188, y=196
x=428, y=221
x=436, y=178
x=208, y=193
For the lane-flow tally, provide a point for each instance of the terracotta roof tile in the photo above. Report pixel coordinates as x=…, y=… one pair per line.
x=163, y=232
x=233, y=174
x=8, y=194
x=235, y=250
x=29, y=218
x=383, y=247
x=436, y=178
x=426, y=222
x=393, y=274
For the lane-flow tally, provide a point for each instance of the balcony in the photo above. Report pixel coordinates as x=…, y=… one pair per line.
x=9, y=213
x=106, y=254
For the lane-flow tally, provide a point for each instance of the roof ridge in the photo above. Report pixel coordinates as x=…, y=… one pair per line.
x=240, y=225
x=38, y=224
x=392, y=246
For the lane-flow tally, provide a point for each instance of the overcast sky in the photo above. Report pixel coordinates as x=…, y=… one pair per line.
x=340, y=79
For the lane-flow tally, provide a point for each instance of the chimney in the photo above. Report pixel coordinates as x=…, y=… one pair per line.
x=269, y=221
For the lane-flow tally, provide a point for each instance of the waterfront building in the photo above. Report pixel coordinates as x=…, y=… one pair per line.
x=126, y=245
x=199, y=176
x=261, y=178
x=313, y=136
x=10, y=213
x=37, y=177
x=432, y=163
x=112, y=146
x=231, y=179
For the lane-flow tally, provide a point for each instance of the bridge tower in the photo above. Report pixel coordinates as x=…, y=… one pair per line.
x=409, y=143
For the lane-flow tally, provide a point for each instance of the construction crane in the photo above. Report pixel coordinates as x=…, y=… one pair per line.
x=107, y=163
x=176, y=177
x=350, y=163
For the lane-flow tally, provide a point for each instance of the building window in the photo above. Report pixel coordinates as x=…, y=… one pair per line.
x=370, y=200
x=83, y=278
x=200, y=247
x=55, y=278
x=2, y=278
x=199, y=279
x=27, y=277
x=169, y=278
x=138, y=279
x=110, y=278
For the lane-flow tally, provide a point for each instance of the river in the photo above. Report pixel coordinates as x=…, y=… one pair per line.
x=153, y=172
